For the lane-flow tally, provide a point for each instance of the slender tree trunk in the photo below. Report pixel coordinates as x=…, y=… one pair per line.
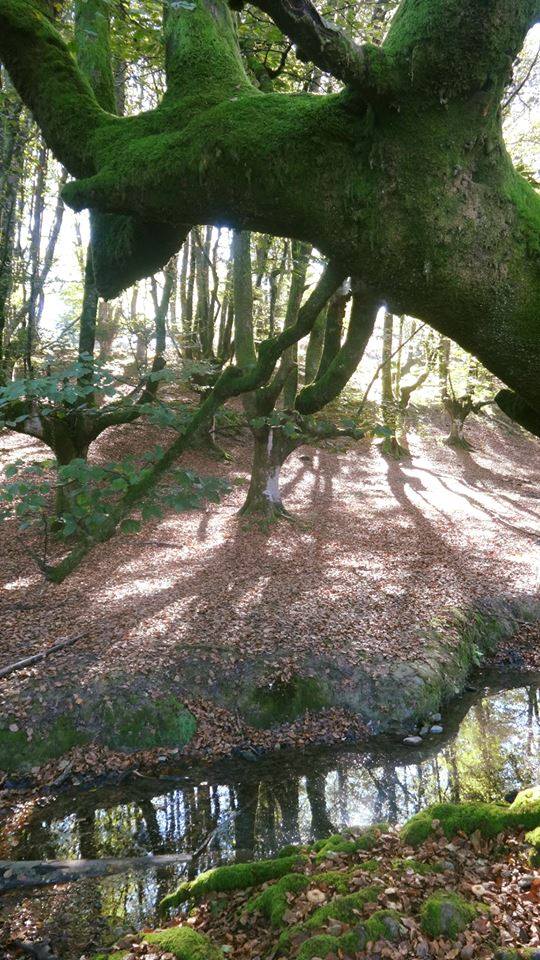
x=300, y=261
x=445, y=348
x=315, y=348
x=35, y=248
x=458, y=409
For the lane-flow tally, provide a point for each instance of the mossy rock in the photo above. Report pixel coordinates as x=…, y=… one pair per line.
x=237, y=876
x=18, y=753
x=285, y=701
x=273, y=902
x=385, y=925
x=185, y=944
x=533, y=837
x=324, y=945
x=446, y=915
x=337, y=843
x=346, y=909
x=489, y=819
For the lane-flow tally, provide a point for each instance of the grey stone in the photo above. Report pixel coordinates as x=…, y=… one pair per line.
x=436, y=728
x=436, y=717
x=413, y=741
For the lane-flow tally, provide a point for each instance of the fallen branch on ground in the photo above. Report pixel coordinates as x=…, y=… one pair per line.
x=28, y=661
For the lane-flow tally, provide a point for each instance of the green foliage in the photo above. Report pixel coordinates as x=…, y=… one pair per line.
x=92, y=491
x=60, y=391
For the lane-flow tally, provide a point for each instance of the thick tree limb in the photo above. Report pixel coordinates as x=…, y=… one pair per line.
x=338, y=373
x=50, y=83
x=365, y=67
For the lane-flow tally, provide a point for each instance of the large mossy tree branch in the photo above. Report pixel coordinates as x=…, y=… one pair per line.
x=50, y=83
x=365, y=67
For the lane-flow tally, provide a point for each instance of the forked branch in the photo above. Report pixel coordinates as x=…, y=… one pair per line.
x=364, y=67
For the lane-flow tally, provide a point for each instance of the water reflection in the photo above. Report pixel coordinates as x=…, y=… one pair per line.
x=490, y=745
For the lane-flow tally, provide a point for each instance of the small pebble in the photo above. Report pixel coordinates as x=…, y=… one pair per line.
x=436, y=728
x=436, y=717
x=525, y=883
x=412, y=741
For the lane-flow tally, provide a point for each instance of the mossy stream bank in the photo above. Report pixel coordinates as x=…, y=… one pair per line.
x=152, y=713
x=447, y=885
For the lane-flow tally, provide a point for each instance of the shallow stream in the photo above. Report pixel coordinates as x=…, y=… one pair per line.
x=490, y=745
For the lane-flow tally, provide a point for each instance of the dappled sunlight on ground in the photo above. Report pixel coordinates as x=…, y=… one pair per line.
x=377, y=549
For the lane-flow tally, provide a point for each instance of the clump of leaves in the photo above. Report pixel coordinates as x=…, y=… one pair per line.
x=91, y=492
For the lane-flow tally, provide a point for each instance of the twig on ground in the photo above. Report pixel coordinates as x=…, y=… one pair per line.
x=28, y=661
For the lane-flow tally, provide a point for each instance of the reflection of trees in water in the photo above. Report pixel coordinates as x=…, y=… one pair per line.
x=497, y=747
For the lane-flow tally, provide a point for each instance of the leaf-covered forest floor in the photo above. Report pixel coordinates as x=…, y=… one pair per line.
x=378, y=549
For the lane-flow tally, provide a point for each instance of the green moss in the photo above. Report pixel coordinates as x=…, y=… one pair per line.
x=527, y=204
x=418, y=866
x=446, y=915
x=324, y=944
x=19, y=753
x=385, y=925
x=273, y=901
x=331, y=878
x=185, y=943
x=290, y=849
x=347, y=909
x=238, y=876
x=489, y=819
x=371, y=866
x=533, y=837
x=159, y=723
x=337, y=843
x=126, y=725
x=285, y=702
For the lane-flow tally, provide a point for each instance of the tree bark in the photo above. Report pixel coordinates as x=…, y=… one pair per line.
x=270, y=450
x=446, y=179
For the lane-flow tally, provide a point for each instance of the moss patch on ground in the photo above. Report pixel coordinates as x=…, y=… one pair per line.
x=17, y=752
x=238, y=876
x=185, y=944
x=125, y=725
x=285, y=701
x=490, y=819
